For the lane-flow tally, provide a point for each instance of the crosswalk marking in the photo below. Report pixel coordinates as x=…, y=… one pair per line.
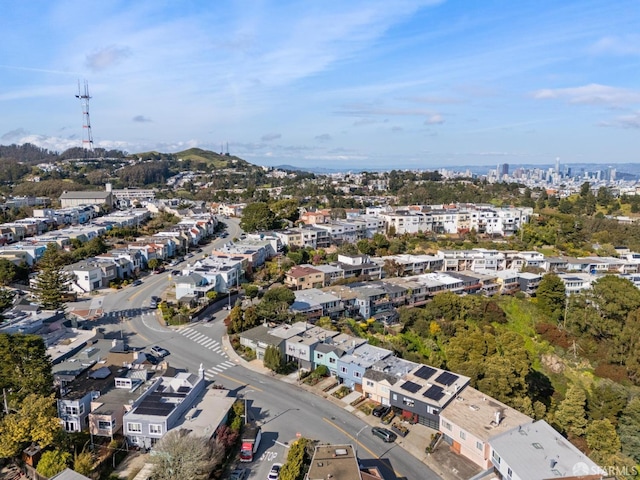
x=217, y=349
x=209, y=344
x=229, y=364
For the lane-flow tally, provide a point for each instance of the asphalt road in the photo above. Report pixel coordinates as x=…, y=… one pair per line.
x=284, y=410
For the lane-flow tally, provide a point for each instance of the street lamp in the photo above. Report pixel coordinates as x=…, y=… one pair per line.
x=357, y=441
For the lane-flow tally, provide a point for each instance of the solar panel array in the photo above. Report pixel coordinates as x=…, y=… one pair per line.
x=410, y=387
x=446, y=378
x=425, y=372
x=434, y=393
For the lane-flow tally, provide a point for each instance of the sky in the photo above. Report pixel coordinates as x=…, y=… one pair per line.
x=376, y=84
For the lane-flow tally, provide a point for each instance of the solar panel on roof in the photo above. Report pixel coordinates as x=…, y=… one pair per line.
x=434, y=393
x=446, y=378
x=425, y=372
x=410, y=387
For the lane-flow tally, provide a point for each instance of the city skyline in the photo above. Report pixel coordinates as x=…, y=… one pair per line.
x=405, y=84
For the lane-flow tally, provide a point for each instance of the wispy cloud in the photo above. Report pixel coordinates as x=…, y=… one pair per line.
x=592, y=94
x=325, y=137
x=107, y=57
x=620, y=45
x=624, y=121
x=269, y=137
x=141, y=119
x=435, y=119
x=14, y=134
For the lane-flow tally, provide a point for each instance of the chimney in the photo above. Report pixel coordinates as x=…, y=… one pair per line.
x=497, y=417
x=107, y=187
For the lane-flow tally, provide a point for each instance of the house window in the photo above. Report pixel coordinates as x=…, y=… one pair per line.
x=369, y=383
x=357, y=374
x=319, y=356
x=343, y=369
x=495, y=457
x=446, y=425
x=509, y=473
x=395, y=397
x=134, y=427
x=463, y=435
x=102, y=425
x=408, y=401
x=72, y=410
x=155, y=428
x=479, y=445
x=332, y=360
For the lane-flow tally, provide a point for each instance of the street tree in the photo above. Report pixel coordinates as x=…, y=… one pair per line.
x=153, y=263
x=273, y=358
x=571, y=414
x=179, y=455
x=34, y=421
x=53, y=462
x=551, y=296
x=603, y=441
x=52, y=282
x=257, y=217
x=25, y=367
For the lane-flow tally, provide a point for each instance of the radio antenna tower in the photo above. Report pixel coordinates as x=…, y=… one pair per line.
x=87, y=136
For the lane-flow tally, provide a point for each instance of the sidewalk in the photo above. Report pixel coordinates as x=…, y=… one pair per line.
x=443, y=461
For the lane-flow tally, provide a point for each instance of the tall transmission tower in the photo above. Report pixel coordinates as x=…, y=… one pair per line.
x=87, y=136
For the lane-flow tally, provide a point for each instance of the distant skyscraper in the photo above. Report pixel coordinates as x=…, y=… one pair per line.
x=557, y=165
x=505, y=169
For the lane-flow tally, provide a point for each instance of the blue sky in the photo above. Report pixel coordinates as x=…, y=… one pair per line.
x=362, y=84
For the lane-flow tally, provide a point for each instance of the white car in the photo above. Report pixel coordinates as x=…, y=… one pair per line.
x=159, y=351
x=274, y=472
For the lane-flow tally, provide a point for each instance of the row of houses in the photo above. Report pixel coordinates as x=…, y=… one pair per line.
x=491, y=434
x=107, y=390
x=439, y=219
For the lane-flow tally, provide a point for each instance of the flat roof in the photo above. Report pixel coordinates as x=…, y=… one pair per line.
x=337, y=462
x=536, y=451
x=476, y=413
x=208, y=412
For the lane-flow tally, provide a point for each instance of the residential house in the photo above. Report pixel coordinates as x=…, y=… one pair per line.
x=358, y=266
x=302, y=277
x=424, y=392
x=353, y=365
x=335, y=462
x=86, y=276
x=332, y=349
x=529, y=282
x=300, y=348
x=472, y=419
x=74, y=405
x=314, y=303
x=161, y=407
x=383, y=375
x=535, y=450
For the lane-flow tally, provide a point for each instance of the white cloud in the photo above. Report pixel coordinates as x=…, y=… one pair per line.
x=622, y=45
x=592, y=94
x=435, y=119
x=624, y=121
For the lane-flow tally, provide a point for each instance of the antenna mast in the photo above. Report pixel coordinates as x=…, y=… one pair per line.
x=87, y=136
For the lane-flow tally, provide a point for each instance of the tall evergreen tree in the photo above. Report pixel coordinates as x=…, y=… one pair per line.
x=571, y=414
x=551, y=296
x=52, y=282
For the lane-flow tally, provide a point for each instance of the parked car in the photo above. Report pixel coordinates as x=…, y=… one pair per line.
x=198, y=250
x=274, y=472
x=384, y=434
x=159, y=351
x=381, y=410
x=153, y=303
x=238, y=474
x=136, y=283
x=175, y=272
